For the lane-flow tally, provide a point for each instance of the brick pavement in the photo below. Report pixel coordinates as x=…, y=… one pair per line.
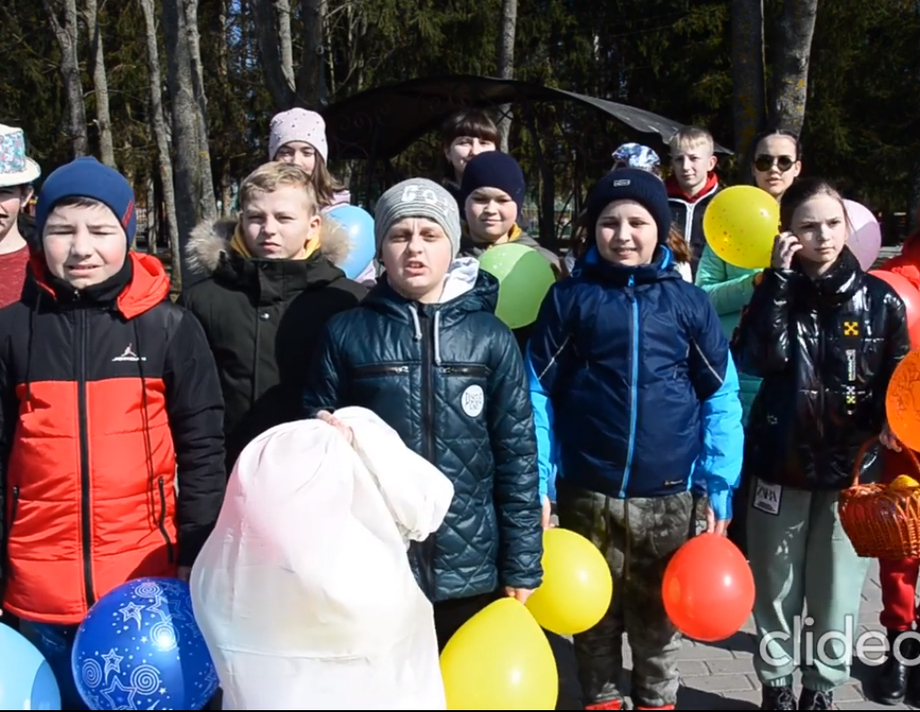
x=721, y=676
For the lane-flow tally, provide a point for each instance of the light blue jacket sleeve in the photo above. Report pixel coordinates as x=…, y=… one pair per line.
x=719, y=465
x=543, y=423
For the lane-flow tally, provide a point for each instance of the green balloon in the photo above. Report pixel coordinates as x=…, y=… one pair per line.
x=524, y=277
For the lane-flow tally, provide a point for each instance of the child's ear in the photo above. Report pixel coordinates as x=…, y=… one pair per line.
x=713, y=160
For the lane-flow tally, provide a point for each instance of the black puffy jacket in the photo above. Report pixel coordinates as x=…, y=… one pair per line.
x=826, y=349
x=449, y=378
x=263, y=319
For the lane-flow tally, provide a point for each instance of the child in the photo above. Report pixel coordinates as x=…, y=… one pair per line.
x=108, y=397
x=17, y=173
x=632, y=376
x=426, y=353
x=271, y=288
x=493, y=197
x=692, y=185
x=825, y=337
x=898, y=577
x=298, y=136
x=463, y=137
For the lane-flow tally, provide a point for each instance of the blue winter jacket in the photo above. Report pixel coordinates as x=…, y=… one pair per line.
x=634, y=391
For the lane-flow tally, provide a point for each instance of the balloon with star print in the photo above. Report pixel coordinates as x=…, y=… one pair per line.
x=139, y=648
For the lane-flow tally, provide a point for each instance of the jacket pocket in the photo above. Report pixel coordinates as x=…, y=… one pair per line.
x=472, y=371
x=161, y=524
x=376, y=370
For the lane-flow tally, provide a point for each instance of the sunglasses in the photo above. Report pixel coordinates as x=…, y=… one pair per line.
x=765, y=163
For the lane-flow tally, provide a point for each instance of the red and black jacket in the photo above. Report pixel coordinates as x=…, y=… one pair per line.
x=107, y=397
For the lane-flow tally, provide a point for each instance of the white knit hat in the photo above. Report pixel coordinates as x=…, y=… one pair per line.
x=298, y=125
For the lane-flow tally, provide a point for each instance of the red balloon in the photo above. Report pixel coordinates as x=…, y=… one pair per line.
x=708, y=588
x=911, y=298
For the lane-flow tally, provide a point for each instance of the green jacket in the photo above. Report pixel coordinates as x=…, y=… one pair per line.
x=730, y=288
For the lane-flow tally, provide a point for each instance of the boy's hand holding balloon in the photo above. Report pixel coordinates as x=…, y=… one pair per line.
x=784, y=247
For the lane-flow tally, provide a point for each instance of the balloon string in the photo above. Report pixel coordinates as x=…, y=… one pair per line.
x=626, y=555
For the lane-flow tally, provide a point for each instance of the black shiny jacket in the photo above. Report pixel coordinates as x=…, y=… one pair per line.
x=826, y=349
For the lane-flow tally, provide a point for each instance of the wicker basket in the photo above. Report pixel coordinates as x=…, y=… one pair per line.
x=882, y=523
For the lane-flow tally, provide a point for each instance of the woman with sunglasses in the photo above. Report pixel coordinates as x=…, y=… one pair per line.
x=777, y=163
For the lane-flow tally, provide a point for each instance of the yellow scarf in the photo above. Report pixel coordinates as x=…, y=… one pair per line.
x=513, y=235
x=238, y=245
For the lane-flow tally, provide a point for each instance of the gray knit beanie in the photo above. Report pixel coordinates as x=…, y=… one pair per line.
x=418, y=198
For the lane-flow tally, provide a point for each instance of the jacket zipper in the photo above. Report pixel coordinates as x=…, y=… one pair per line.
x=428, y=435
x=85, y=503
x=161, y=525
x=634, y=383
x=14, y=507
x=465, y=370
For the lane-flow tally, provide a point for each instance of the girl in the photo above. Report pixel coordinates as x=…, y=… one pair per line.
x=625, y=361
x=777, y=163
x=463, y=137
x=825, y=337
x=298, y=136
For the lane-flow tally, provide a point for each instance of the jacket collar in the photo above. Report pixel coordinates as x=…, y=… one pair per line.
x=836, y=285
x=661, y=268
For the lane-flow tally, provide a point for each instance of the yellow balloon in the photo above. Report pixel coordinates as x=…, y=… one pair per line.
x=500, y=659
x=740, y=225
x=577, y=586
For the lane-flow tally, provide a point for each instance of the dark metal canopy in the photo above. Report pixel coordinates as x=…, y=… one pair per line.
x=383, y=122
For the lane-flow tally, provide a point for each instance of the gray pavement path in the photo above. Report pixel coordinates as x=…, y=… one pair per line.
x=721, y=676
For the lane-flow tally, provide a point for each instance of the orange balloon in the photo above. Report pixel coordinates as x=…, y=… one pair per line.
x=902, y=401
x=911, y=298
x=708, y=588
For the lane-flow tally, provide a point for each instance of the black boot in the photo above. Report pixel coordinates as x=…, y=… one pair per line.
x=891, y=683
x=813, y=700
x=778, y=698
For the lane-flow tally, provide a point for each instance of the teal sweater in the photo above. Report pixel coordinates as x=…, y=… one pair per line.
x=730, y=288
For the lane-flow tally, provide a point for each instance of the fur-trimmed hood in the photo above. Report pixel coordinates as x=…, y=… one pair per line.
x=210, y=240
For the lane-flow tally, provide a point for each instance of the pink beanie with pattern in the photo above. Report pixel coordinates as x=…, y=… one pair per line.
x=298, y=125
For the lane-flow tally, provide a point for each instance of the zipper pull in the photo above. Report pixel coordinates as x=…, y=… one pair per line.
x=630, y=287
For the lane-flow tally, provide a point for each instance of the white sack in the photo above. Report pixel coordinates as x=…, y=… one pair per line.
x=304, y=592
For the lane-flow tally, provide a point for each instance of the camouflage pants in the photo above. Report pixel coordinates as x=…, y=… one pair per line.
x=637, y=537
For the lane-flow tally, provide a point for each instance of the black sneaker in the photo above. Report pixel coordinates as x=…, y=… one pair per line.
x=812, y=700
x=778, y=698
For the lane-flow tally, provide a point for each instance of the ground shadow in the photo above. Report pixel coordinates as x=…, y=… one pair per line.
x=740, y=642
x=690, y=699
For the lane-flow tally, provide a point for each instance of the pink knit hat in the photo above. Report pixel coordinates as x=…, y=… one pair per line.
x=298, y=125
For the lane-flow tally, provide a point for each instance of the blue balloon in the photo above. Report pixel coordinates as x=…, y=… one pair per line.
x=26, y=680
x=359, y=226
x=139, y=648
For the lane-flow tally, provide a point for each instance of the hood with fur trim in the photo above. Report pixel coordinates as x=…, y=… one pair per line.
x=210, y=240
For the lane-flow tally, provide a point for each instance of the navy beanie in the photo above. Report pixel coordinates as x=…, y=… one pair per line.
x=493, y=169
x=87, y=178
x=640, y=186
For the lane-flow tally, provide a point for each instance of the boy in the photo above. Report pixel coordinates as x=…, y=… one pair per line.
x=17, y=173
x=692, y=185
x=464, y=136
x=270, y=290
x=108, y=397
x=427, y=354
x=492, y=197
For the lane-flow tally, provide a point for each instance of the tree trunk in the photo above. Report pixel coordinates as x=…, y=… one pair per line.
x=748, y=79
x=311, y=86
x=161, y=136
x=62, y=14
x=793, y=53
x=506, y=63
x=185, y=123
x=206, y=198
x=100, y=82
x=273, y=33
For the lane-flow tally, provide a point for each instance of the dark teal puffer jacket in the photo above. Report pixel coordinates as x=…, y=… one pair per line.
x=449, y=378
